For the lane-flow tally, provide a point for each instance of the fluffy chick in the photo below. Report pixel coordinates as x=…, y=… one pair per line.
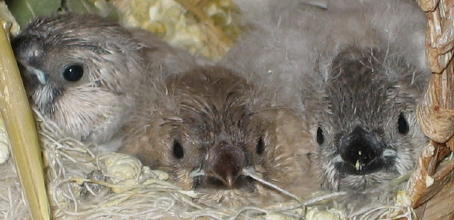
x=83, y=72
x=355, y=72
x=364, y=118
x=211, y=128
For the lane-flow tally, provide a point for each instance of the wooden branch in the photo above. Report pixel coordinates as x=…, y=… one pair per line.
x=440, y=206
x=436, y=112
x=435, y=183
x=21, y=130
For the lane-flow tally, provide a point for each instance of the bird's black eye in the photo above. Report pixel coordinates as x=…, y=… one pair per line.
x=402, y=124
x=260, y=148
x=177, y=150
x=73, y=72
x=320, y=137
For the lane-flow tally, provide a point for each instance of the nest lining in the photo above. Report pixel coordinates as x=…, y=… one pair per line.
x=84, y=183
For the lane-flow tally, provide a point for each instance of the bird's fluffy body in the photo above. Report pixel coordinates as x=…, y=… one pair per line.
x=112, y=63
x=353, y=63
x=209, y=125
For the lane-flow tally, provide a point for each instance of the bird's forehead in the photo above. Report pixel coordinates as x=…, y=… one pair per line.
x=217, y=129
x=62, y=41
x=371, y=108
x=34, y=51
x=28, y=47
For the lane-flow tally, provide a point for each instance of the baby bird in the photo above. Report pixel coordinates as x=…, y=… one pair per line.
x=210, y=129
x=83, y=72
x=362, y=95
x=354, y=76
x=205, y=128
x=364, y=118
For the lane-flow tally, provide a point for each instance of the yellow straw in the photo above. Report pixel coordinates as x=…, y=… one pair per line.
x=21, y=129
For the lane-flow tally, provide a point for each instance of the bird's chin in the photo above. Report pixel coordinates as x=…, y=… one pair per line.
x=345, y=176
x=365, y=182
x=45, y=98
x=226, y=198
x=373, y=166
x=207, y=183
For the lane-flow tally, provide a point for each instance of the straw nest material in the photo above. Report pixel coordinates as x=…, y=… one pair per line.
x=85, y=184
x=204, y=27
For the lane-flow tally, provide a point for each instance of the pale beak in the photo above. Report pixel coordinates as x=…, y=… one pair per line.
x=42, y=77
x=230, y=180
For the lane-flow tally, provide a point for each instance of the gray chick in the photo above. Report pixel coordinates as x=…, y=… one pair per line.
x=83, y=72
x=355, y=70
x=364, y=118
x=364, y=91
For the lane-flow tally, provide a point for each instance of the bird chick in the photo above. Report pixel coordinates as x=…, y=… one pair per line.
x=361, y=95
x=355, y=76
x=210, y=129
x=83, y=72
x=204, y=127
x=364, y=118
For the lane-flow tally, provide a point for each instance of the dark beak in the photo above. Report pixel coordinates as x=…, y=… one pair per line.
x=362, y=151
x=225, y=163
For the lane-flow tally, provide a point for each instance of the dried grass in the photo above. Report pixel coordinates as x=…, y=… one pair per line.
x=75, y=193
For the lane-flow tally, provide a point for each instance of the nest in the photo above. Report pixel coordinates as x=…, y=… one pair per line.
x=85, y=184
